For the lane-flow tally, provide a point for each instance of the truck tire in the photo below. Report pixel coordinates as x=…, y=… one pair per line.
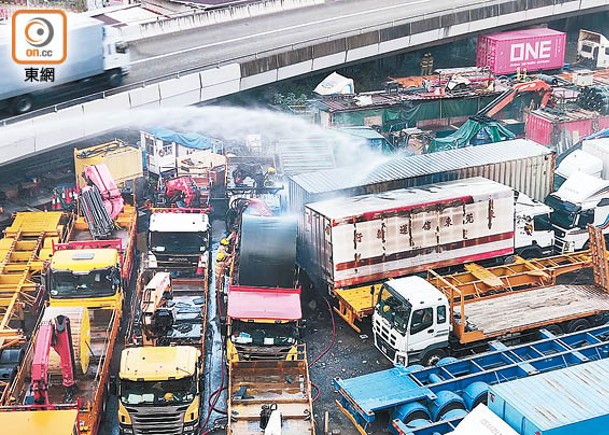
x=114, y=78
x=555, y=329
x=22, y=104
x=577, y=325
x=432, y=357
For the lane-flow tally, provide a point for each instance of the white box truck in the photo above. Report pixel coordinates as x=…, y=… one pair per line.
x=94, y=51
x=365, y=239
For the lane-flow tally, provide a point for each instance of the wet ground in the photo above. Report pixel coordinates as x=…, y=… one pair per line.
x=352, y=354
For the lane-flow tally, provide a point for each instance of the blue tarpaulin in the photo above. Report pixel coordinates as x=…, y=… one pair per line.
x=189, y=140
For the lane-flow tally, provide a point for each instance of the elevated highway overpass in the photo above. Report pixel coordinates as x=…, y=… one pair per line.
x=197, y=65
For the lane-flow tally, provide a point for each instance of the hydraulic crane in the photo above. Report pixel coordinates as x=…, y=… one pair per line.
x=55, y=334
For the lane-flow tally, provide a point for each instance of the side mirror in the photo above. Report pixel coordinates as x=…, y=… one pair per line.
x=113, y=385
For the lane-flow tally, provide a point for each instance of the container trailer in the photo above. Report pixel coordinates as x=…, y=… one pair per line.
x=358, y=241
x=522, y=164
x=539, y=49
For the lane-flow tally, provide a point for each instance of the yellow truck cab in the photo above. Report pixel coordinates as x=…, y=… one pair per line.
x=163, y=379
x=263, y=324
x=40, y=421
x=85, y=277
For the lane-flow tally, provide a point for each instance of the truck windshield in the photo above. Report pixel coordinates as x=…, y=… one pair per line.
x=564, y=213
x=178, y=243
x=394, y=308
x=541, y=222
x=264, y=334
x=94, y=283
x=158, y=392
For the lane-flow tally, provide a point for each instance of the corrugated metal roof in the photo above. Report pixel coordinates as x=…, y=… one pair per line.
x=419, y=165
x=561, y=397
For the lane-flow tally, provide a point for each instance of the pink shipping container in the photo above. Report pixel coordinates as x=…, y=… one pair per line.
x=532, y=49
x=551, y=130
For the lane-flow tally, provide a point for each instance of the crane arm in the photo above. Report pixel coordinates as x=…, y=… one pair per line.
x=538, y=86
x=58, y=336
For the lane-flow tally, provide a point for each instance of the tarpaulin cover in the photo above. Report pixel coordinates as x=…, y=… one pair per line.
x=189, y=140
x=409, y=113
x=493, y=131
x=258, y=303
x=268, y=251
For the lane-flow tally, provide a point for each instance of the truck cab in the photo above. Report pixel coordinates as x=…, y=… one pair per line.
x=164, y=379
x=533, y=232
x=410, y=322
x=178, y=239
x=577, y=161
x=117, y=59
x=263, y=323
x=85, y=277
x=593, y=49
x=581, y=200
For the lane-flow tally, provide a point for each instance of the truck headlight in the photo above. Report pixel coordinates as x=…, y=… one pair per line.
x=189, y=427
x=126, y=430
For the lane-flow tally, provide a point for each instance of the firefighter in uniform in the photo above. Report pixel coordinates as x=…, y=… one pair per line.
x=427, y=64
x=222, y=261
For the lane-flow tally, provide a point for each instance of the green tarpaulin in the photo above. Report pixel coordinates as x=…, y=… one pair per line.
x=487, y=132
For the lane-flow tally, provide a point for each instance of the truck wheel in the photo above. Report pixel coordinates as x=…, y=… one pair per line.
x=432, y=357
x=578, y=325
x=555, y=329
x=114, y=78
x=22, y=104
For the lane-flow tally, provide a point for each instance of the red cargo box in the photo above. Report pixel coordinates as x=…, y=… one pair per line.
x=532, y=49
x=546, y=131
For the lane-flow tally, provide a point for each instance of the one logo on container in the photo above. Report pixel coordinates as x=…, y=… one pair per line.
x=525, y=53
x=39, y=36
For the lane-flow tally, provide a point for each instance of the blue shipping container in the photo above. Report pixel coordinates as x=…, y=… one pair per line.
x=571, y=401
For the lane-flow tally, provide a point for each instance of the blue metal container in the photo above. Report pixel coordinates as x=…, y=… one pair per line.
x=571, y=401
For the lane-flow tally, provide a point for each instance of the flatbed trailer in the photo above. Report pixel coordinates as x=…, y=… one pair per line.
x=286, y=384
x=190, y=299
x=92, y=386
x=439, y=397
x=26, y=245
x=354, y=304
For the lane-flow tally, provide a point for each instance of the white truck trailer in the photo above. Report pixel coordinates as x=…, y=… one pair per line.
x=355, y=242
x=94, y=51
